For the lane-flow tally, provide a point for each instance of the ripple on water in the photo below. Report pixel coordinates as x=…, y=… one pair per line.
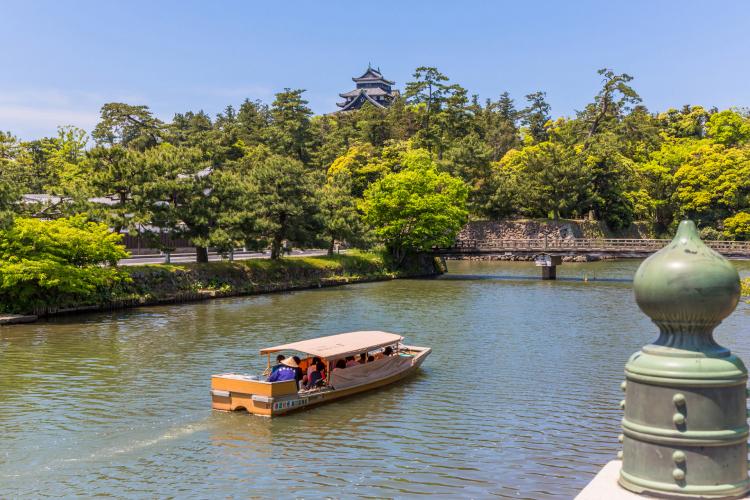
x=518, y=400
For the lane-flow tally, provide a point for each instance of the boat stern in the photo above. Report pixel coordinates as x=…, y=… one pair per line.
x=232, y=392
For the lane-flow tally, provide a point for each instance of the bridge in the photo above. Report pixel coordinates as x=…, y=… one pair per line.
x=579, y=246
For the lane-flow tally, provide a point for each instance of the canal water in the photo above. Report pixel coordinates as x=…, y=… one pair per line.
x=518, y=400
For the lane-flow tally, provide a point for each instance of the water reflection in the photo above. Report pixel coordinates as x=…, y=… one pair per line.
x=519, y=398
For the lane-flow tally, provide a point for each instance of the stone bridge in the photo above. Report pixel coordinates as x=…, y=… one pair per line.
x=579, y=246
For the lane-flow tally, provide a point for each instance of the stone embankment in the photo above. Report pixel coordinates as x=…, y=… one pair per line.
x=529, y=229
x=154, y=284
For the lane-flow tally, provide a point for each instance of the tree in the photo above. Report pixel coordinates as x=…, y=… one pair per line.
x=416, y=209
x=120, y=174
x=361, y=165
x=738, y=226
x=340, y=218
x=612, y=101
x=181, y=196
x=548, y=178
x=15, y=175
x=536, y=115
x=728, y=128
x=290, y=125
x=283, y=192
x=429, y=91
x=498, y=125
x=132, y=127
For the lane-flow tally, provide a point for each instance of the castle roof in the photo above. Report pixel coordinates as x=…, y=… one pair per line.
x=352, y=103
x=372, y=75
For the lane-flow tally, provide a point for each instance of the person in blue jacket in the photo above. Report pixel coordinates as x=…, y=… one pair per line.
x=278, y=364
x=287, y=371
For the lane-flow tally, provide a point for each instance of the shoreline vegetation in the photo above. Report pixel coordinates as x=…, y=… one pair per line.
x=157, y=284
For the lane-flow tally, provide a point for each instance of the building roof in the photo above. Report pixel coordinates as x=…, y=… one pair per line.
x=371, y=91
x=362, y=95
x=340, y=345
x=372, y=75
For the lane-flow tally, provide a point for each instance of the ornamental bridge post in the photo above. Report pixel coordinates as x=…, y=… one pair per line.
x=684, y=432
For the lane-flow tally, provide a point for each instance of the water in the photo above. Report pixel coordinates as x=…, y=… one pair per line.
x=519, y=398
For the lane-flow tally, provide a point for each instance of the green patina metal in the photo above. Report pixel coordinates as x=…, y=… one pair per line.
x=685, y=427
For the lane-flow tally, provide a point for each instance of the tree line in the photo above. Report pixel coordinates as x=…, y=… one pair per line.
x=409, y=176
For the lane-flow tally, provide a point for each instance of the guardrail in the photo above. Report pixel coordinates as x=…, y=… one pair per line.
x=582, y=244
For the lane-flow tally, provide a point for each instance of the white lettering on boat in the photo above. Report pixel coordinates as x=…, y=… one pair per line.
x=291, y=403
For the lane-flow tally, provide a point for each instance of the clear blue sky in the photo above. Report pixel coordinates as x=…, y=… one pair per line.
x=60, y=61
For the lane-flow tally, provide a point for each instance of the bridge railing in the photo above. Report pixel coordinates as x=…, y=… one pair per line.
x=586, y=244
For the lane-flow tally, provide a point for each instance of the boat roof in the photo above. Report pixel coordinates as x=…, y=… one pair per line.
x=339, y=345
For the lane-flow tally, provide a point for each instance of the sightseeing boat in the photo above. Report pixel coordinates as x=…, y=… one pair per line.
x=387, y=360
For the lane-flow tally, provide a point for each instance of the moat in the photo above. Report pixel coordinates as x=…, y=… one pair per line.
x=519, y=398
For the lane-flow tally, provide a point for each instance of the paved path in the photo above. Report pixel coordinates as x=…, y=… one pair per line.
x=212, y=257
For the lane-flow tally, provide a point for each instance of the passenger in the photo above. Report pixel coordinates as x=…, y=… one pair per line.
x=278, y=365
x=285, y=372
x=298, y=373
x=370, y=358
x=385, y=352
x=362, y=358
x=313, y=366
x=316, y=375
x=350, y=361
x=304, y=364
x=340, y=364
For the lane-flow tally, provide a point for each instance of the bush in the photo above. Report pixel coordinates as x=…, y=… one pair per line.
x=51, y=264
x=710, y=233
x=738, y=226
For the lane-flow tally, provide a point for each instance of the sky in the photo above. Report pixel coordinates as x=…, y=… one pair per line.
x=60, y=61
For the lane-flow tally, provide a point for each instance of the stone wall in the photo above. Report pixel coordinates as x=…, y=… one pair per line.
x=524, y=229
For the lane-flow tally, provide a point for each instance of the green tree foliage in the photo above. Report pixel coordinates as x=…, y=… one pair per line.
x=181, y=197
x=738, y=226
x=340, y=218
x=416, y=208
x=276, y=175
x=290, y=125
x=283, y=197
x=132, y=127
x=55, y=263
x=536, y=115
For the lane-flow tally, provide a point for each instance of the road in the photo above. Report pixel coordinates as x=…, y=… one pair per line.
x=213, y=257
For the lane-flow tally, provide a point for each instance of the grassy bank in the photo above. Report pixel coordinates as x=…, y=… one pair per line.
x=171, y=283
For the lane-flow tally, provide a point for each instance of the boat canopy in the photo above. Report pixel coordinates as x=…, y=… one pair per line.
x=340, y=345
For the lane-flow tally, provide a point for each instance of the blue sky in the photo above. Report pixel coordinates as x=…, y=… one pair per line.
x=60, y=61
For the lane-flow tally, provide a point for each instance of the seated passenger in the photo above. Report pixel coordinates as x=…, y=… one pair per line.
x=370, y=358
x=340, y=364
x=385, y=352
x=286, y=371
x=350, y=361
x=278, y=364
x=298, y=374
x=313, y=366
x=316, y=376
x=362, y=358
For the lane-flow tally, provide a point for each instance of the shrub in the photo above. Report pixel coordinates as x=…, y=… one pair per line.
x=49, y=264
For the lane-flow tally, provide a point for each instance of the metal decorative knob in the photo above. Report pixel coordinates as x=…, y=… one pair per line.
x=686, y=289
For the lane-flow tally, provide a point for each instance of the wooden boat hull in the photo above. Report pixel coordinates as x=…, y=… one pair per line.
x=234, y=392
